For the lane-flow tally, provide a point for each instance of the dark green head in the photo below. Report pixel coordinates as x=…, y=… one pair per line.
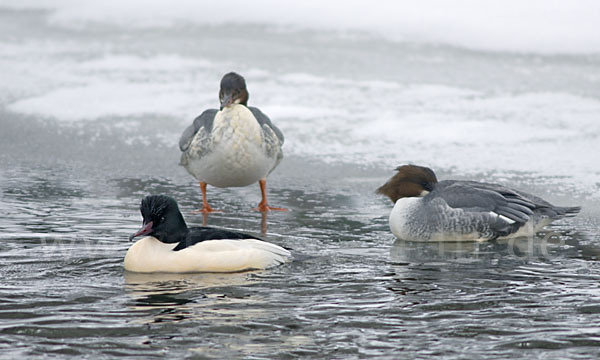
x=162, y=219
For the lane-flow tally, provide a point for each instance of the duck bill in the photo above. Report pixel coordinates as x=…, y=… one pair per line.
x=145, y=230
x=226, y=101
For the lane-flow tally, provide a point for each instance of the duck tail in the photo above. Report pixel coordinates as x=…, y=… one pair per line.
x=567, y=211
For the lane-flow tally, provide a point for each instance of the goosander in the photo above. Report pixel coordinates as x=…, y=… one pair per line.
x=454, y=210
x=234, y=146
x=170, y=246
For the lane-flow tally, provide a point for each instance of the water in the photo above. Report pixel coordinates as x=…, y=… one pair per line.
x=93, y=101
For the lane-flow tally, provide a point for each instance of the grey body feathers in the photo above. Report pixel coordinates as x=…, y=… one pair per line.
x=490, y=210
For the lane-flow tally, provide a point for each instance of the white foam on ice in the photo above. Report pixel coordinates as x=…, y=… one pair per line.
x=113, y=85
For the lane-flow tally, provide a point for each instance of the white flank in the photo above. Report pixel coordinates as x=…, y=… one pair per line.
x=399, y=217
x=150, y=255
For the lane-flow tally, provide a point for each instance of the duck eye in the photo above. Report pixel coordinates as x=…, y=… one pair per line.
x=162, y=219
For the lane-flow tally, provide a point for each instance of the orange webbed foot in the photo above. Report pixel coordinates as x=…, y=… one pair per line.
x=206, y=210
x=265, y=208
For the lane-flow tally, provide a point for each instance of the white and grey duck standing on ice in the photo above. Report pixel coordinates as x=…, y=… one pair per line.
x=234, y=146
x=454, y=210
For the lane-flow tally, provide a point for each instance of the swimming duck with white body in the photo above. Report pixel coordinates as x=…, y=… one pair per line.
x=454, y=210
x=235, y=146
x=170, y=246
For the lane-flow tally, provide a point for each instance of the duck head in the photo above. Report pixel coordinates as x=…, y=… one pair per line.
x=233, y=90
x=409, y=181
x=162, y=219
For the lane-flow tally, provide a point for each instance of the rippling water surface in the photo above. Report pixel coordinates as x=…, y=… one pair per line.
x=90, y=114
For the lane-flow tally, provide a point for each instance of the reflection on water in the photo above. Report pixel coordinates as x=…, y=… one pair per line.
x=223, y=303
x=263, y=221
x=140, y=284
x=356, y=294
x=542, y=247
x=179, y=297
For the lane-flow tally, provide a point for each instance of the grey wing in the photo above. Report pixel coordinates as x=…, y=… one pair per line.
x=545, y=208
x=204, y=123
x=273, y=137
x=195, y=140
x=475, y=196
x=264, y=121
x=538, y=205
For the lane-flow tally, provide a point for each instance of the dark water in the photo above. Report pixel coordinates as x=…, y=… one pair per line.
x=70, y=191
x=351, y=292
